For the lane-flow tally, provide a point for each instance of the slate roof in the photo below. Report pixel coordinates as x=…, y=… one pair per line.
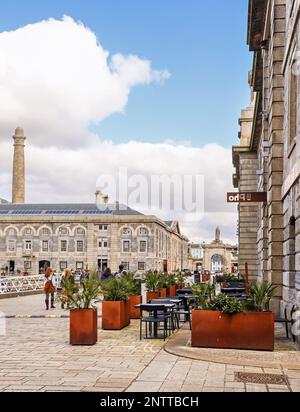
x=66, y=209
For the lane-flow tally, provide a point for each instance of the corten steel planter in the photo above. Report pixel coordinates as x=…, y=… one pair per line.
x=134, y=312
x=152, y=296
x=172, y=291
x=180, y=286
x=164, y=293
x=115, y=315
x=83, y=327
x=206, y=278
x=247, y=330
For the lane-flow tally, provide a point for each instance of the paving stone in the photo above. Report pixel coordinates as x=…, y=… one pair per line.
x=144, y=387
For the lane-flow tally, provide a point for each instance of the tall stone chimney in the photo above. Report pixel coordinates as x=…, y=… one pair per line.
x=18, y=185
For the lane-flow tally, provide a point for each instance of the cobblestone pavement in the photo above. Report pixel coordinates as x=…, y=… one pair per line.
x=35, y=356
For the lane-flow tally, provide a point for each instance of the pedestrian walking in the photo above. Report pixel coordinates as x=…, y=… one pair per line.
x=68, y=275
x=49, y=288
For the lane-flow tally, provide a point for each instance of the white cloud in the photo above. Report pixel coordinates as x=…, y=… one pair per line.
x=55, y=79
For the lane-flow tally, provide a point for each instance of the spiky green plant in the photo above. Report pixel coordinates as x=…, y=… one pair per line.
x=152, y=281
x=226, y=304
x=260, y=295
x=115, y=289
x=202, y=295
x=81, y=298
x=133, y=284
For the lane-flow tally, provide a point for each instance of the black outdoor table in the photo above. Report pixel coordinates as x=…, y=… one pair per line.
x=149, y=305
x=233, y=290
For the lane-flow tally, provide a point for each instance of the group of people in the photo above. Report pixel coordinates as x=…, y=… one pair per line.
x=53, y=283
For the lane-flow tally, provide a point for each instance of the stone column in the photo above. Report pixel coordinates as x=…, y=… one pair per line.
x=18, y=186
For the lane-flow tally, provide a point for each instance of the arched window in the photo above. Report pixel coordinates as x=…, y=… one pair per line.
x=80, y=231
x=126, y=231
x=143, y=231
x=45, y=231
x=11, y=232
x=63, y=231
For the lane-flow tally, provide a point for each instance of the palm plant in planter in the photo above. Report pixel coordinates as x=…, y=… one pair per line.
x=115, y=305
x=171, y=284
x=83, y=311
x=180, y=279
x=223, y=322
x=163, y=285
x=152, y=283
x=134, y=292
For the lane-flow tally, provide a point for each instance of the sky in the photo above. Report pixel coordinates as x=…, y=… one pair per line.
x=155, y=86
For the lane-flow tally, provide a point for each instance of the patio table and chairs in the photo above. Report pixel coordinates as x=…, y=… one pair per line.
x=159, y=317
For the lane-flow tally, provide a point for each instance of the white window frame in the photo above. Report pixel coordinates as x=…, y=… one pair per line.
x=77, y=249
x=9, y=242
x=61, y=249
x=42, y=246
x=144, y=266
x=103, y=228
x=27, y=243
x=146, y=248
x=126, y=266
x=129, y=248
x=145, y=229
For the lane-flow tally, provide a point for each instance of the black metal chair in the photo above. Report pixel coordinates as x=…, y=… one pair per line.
x=157, y=315
x=288, y=320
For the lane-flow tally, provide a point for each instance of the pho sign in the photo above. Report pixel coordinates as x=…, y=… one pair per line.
x=250, y=197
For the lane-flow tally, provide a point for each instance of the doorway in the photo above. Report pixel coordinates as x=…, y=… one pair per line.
x=102, y=264
x=44, y=265
x=12, y=266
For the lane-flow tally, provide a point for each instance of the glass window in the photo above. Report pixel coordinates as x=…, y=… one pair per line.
x=11, y=232
x=103, y=227
x=28, y=245
x=143, y=246
x=293, y=102
x=141, y=266
x=80, y=245
x=79, y=265
x=103, y=244
x=63, y=265
x=45, y=246
x=28, y=231
x=11, y=246
x=126, y=246
x=126, y=265
x=45, y=232
x=143, y=231
x=126, y=231
x=63, y=246
x=80, y=231
x=63, y=231
x=27, y=265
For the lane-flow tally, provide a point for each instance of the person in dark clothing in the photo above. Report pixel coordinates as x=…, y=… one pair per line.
x=106, y=274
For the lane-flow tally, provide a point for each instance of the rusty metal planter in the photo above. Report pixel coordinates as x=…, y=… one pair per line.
x=172, y=291
x=247, y=330
x=163, y=292
x=134, y=312
x=83, y=327
x=152, y=296
x=115, y=315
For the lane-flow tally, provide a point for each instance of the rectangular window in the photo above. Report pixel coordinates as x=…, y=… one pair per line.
x=126, y=266
x=11, y=246
x=45, y=246
x=80, y=246
x=63, y=265
x=28, y=245
x=141, y=266
x=27, y=265
x=293, y=103
x=63, y=246
x=79, y=265
x=143, y=246
x=103, y=228
x=126, y=246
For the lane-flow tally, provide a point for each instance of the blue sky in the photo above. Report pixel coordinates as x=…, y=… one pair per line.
x=202, y=44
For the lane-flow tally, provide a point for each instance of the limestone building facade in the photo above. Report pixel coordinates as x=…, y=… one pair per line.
x=270, y=151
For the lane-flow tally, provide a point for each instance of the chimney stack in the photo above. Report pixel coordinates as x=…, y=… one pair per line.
x=18, y=186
